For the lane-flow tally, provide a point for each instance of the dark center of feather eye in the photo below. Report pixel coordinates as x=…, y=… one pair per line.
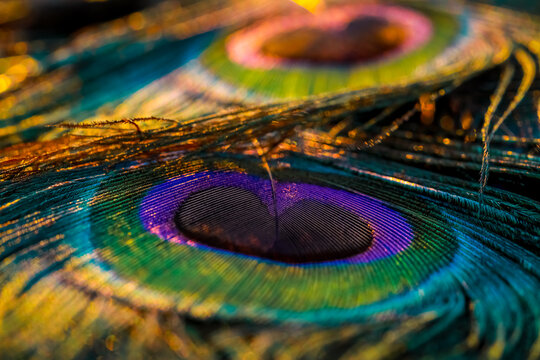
x=236, y=220
x=363, y=39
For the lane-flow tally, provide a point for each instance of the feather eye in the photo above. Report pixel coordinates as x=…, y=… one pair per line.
x=260, y=189
x=356, y=46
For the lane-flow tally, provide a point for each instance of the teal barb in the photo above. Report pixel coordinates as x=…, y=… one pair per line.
x=238, y=189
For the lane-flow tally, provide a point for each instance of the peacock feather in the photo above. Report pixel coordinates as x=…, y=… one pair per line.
x=249, y=179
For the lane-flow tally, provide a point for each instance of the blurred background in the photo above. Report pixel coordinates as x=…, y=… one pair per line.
x=56, y=18
x=89, y=76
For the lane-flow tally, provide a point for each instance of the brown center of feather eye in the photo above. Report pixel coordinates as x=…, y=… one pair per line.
x=363, y=39
x=236, y=220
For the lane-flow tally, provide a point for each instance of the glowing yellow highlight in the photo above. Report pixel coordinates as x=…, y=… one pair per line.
x=310, y=5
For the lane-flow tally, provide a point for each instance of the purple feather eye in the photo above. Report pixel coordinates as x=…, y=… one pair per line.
x=287, y=222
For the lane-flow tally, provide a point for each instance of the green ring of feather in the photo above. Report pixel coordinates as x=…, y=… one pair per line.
x=299, y=82
x=207, y=283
